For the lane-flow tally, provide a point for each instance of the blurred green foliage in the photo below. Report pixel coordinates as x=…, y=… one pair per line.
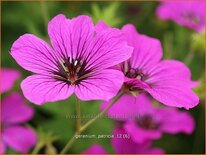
x=19, y=18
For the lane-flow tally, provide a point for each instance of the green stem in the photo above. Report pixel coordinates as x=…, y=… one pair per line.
x=37, y=148
x=78, y=112
x=102, y=113
x=90, y=122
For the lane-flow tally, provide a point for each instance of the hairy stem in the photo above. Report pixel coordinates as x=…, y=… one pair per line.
x=90, y=122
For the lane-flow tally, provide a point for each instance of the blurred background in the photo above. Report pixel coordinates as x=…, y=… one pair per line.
x=51, y=121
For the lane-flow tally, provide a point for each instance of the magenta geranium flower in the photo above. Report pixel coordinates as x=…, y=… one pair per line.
x=122, y=145
x=144, y=121
x=186, y=13
x=78, y=62
x=8, y=77
x=14, y=112
x=168, y=81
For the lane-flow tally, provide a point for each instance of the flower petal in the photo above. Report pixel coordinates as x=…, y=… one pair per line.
x=40, y=89
x=175, y=121
x=33, y=54
x=95, y=149
x=100, y=86
x=107, y=49
x=140, y=135
x=15, y=110
x=2, y=147
x=128, y=107
x=19, y=138
x=70, y=37
x=101, y=26
x=79, y=38
x=122, y=144
x=8, y=77
x=190, y=14
x=170, y=84
x=147, y=50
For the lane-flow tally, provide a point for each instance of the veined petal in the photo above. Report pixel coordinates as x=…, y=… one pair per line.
x=8, y=77
x=40, y=89
x=170, y=70
x=70, y=38
x=170, y=84
x=102, y=85
x=33, y=54
x=15, y=110
x=101, y=26
x=107, y=49
x=19, y=138
x=147, y=51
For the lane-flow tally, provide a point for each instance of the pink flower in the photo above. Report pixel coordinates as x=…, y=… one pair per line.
x=124, y=146
x=14, y=134
x=128, y=146
x=8, y=77
x=144, y=122
x=168, y=81
x=95, y=149
x=189, y=13
x=78, y=62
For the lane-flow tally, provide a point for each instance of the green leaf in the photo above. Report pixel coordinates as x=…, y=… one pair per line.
x=108, y=14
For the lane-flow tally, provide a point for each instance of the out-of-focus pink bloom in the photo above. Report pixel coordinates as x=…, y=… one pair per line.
x=79, y=61
x=143, y=121
x=186, y=13
x=95, y=149
x=122, y=145
x=14, y=112
x=128, y=146
x=8, y=77
x=168, y=81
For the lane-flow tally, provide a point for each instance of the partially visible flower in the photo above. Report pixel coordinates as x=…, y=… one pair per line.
x=124, y=145
x=79, y=61
x=14, y=112
x=8, y=77
x=189, y=13
x=128, y=146
x=95, y=149
x=144, y=121
x=168, y=81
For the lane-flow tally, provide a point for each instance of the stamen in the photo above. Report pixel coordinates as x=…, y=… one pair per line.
x=75, y=62
x=69, y=71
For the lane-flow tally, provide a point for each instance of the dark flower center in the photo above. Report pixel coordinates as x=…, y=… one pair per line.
x=134, y=73
x=72, y=71
x=147, y=122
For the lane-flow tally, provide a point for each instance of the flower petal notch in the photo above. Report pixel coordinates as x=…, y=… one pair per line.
x=80, y=57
